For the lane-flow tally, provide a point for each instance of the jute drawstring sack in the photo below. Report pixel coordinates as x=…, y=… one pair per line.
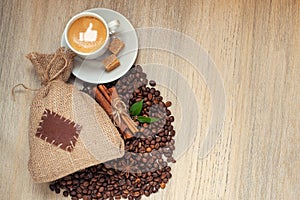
x=68, y=130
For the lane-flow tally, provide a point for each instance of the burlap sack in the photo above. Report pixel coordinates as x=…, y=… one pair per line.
x=68, y=130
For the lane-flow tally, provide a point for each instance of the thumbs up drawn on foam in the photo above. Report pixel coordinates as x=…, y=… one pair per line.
x=89, y=35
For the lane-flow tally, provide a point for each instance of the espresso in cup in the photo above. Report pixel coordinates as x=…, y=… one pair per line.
x=87, y=34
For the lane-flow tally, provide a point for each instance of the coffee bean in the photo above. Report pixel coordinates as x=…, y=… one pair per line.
x=66, y=193
x=57, y=190
x=152, y=83
x=52, y=187
x=171, y=118
x=86, y=198
x=73, y=193
x=168, y=112
x=85, y=184
x=168, y=103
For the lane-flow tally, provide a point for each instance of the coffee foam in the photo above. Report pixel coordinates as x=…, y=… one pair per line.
x=87, y=34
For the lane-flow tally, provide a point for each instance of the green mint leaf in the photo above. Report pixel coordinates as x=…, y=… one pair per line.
x=153, y=119
x=143, y=119
x=136, y=108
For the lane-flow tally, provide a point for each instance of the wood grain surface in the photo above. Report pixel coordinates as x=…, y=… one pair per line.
x=255, y=46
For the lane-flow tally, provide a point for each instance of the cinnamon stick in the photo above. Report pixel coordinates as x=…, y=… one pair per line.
x=102, y=101
x=129, y=122
x=110, y=90
x=104, y=91
x=114, y=93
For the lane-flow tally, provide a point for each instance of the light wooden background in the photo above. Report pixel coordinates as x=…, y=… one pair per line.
x=256, y=48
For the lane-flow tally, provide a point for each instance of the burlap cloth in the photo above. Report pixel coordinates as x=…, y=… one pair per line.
x=96, y=139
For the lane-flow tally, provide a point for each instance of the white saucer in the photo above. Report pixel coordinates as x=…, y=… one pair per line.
x=93, y=71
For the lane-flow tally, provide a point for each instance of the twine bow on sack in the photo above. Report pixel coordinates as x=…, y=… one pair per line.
x=46, y=77
x=45, y=72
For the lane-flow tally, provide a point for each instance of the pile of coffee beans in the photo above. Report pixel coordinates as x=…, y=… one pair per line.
x=144, y=168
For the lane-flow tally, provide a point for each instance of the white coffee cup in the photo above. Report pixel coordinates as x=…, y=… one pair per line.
x=90, y=35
